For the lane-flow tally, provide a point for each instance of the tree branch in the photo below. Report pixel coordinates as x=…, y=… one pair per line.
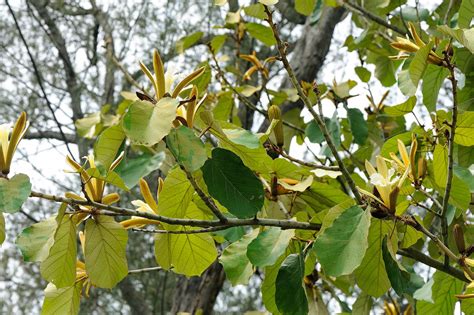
x=231, y=222
x=49, y=134
x=420, y=257
x=355, y=8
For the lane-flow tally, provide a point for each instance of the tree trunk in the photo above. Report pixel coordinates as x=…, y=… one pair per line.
x=199, y=293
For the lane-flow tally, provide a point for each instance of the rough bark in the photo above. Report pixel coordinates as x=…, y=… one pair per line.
x=199, y=293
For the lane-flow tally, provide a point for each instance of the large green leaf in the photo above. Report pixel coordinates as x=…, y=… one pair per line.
x=132, y=170
x=187, y=254
x=290, y=295
x=401, y=109
x=400, y=279
x=107, y=146
x=346, y=237
x=14, y=192
x=466, y=13
x=444, y=289
x=432, y=81
x=110, y=177
x=358, y=125
x=464, y=36
x=237, y=266
x=322, y=196
x=465, y=156
x=268, y=287
x=187, y=149
x=35, y=241
x=261, y=33
x=60, y=265
x=269, y=246
x=176, y=195
x=64, y=301
x=418, y=64
x=371, y=275
x=465, y=129
x=234, y=185
x=146, y=123
x=105, y=255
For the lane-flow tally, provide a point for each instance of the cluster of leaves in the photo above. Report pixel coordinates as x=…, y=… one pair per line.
x=230, y=196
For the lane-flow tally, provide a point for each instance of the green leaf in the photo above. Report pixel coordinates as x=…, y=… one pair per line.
x=465, y=156
x=418, y=64
x=363, y=74
x=358, y=124
x=391, y=144
x=466, y=13
x=243, y=137
x=440, y=165
x=60, y=265
x=362, y=305
x=290, y=296
x=268, y=287
x=105, y=255
x=217, y=42
x=256, y=10
x=400, y=279
x=261, y=32
x=346, y=237
x=255, y=159
x=108, y=145
x=237, y=266
x=111, y=177
x=14, y=192
x=176, y=195
x=146, y=124
x=62, y=301
x=35, y=241
x=465, y=129
x=188, y=254
x=132, y=170
x=371, y=275
x=188, y=150
x=385, y=71
x=405, y=84
x=322, y=196
x=269, y=246
x=444, y=289
x=460, y=194
x=2, y=228
x=464, y=36
x=234, y=185
x=88, y=126
x=305, y=7
x=432, y=81
x=401, y=109
x=187, y=41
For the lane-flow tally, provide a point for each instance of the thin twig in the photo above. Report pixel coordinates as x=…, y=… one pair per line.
x=449, y=177
x=309, y=106
x=39, y=78
x=244, y=100
x=199, y=231
x=308, y=164
x=355, y=8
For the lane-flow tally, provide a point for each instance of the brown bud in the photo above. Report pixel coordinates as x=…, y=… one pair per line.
x=459, y=238
x=393, y=199
x=274, y=113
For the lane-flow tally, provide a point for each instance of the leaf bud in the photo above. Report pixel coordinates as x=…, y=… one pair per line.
x=274, y=113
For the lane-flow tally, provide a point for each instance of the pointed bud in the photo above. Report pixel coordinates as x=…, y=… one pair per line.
x=421, y=168
x=274, y=113
x=393, y=199
x=459, y=238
